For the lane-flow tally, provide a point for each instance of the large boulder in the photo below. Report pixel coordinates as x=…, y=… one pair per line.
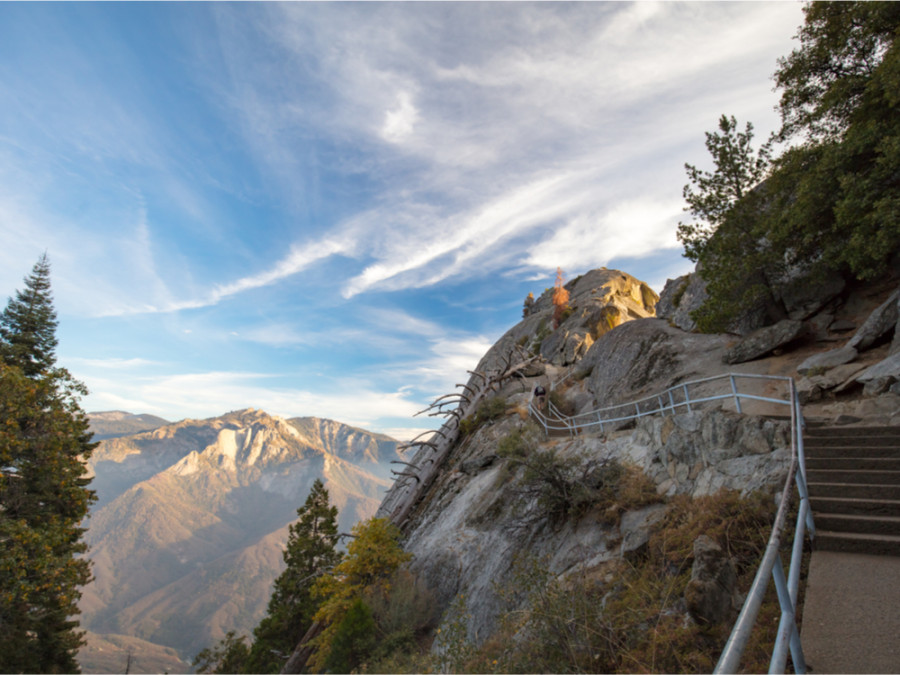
x=764, y=341
x=888, y=368
x=803, y=293
x=880, y=322
x=819, y=363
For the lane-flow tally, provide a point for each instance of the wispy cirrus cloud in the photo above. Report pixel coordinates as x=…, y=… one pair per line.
x=558, y=104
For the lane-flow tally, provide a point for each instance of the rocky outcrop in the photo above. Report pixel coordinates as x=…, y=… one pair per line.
x=599, y=300
x=642, y=357
x=803, y=293
x=711, y=594
x=679, y=298
x=876, y=378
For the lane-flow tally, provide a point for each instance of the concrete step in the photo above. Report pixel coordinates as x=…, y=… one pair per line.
x=853, y=490
x=853, y=476
x=855, y=441
x=855, y=506
x=854, y=463
x=851, y=451
x=849, y=432
x=874, y=544
x=856, y=524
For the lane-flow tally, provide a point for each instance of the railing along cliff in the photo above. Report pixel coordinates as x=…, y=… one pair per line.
x=680, y=398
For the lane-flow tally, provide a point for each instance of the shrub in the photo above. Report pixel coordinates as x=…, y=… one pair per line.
x=567, y=487
x=353, y=639
x=489, y=409
x=520, y=441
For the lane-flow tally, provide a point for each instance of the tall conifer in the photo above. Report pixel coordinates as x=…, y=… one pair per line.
x=28, y=324
x=310, y=553
x=44, y=443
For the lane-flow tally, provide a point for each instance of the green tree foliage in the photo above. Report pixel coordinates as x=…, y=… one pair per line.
x=713, y=196
x=353, y=640
x=373, y=556
x=44, y=442
x=28, y=324
x=842, y=66
x=837, y=195
x=229, y=655
x=310, y=553
x=831, y=203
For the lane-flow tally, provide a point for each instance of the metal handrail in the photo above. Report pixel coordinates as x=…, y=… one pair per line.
x=788, y=636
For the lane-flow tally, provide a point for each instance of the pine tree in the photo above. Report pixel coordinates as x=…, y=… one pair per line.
x=713, y=196
x=44, y=442
x=310, y=553
x=28, y=324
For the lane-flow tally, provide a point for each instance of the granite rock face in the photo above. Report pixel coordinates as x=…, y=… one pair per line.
x=679, y=298
x=468, y=535
x=642, y=357
x=879, y=323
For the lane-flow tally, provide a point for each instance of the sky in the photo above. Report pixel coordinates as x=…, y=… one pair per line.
x=334, y=209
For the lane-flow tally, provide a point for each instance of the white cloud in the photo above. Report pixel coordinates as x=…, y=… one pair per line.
x=631, y=229
x=401, y=121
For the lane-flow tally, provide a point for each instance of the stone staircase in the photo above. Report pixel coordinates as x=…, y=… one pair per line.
x=854, y=487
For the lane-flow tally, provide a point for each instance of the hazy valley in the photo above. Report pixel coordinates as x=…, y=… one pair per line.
x=191, y=517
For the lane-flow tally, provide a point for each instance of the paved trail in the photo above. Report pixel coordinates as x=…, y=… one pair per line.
x=851, y=615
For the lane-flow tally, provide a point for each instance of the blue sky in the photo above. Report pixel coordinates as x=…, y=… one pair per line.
x=334, y=209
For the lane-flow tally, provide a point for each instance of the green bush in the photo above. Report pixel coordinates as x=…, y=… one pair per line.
x=354, y=639
x=489, y=409
x=520, y=441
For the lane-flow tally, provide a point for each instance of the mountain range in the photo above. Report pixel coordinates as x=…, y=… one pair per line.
x=191, y=519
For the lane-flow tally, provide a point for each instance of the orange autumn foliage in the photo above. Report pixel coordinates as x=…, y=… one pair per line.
x=560, y=299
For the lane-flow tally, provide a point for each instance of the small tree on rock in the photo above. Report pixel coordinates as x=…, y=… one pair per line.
x=560, y=299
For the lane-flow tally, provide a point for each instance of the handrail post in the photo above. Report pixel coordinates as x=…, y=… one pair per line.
x=737, y=399
x=687, y=398
x=787, y=628
x=671, y=401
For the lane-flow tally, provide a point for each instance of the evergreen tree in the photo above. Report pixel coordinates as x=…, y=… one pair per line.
x=44, y=442
x=713, y=196
x=28, y=324
x=229, y=655
x=310, y=553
